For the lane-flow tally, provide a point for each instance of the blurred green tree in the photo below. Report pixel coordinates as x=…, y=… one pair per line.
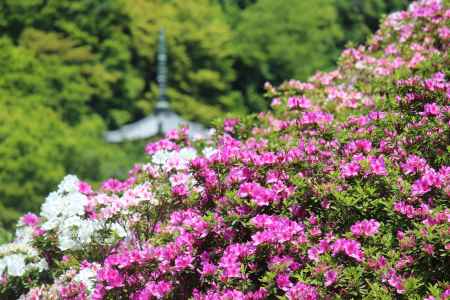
x=360, y=18
x=46, y=130
x=92, y=40
x=38, y=149
x=200, y=55
x=276, y=40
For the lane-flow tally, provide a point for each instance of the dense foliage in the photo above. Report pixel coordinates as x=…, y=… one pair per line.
x=303, y=36
x=341, y=192
x=266, y=53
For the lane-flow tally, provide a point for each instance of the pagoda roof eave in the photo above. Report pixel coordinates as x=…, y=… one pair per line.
x=152, y=125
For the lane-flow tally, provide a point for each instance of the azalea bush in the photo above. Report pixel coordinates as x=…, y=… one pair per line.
x=340, y=192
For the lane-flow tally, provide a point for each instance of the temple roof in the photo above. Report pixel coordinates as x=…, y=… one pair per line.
x=160, y=122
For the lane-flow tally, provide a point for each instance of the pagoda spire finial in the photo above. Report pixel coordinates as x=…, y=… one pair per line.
x=161, y=76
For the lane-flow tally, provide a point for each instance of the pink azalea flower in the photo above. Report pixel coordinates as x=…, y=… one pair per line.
x=84, y=188
x=299, y=102
x=302, y=291
x=330, y=277
x=350, y=169
x=283, y=282
x=431, y=109
x=420, y=187
x=111, y=276
x=30, y=219
x=377, y=166
x=365, y=228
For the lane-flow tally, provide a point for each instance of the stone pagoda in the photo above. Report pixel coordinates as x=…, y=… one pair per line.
x=163, y=119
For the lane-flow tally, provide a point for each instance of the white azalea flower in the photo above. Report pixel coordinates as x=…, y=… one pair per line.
x=13, y=257
x=119, y=230
x=15, y=264
x=86, y=230
x=66, y=242
x=52, y=206
x=24, y=235
x=2, y=266
x=75, y=203
x=87, y=277
x=50, y=224
x=211, y=132
x=187, y=154
x=41, y=265
x=76, y=232
x=69, y=184
x=161, y=157
x=10, y=248
x=209, y=151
